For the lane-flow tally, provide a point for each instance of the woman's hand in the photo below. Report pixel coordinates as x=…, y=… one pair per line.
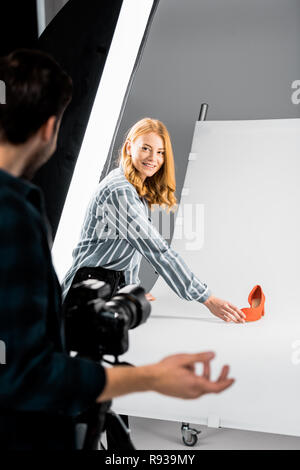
x=224, y=310
x=150, y=297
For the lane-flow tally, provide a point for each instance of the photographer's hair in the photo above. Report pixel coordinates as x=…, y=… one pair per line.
x=160, y=188
x=36, y=89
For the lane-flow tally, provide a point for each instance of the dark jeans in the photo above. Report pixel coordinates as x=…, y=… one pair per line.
x=115, y=278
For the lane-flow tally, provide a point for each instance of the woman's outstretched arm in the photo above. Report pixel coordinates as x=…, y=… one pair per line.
x=126, y=216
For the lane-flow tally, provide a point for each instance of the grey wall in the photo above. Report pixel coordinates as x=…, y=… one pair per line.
x=240, y=56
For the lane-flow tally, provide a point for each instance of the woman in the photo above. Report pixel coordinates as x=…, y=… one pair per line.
x=117, y=231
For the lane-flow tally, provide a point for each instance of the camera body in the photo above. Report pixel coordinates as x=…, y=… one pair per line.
x=96, y=323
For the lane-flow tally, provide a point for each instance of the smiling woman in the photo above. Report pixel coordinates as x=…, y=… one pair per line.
x=147, y=158
x=148, y=162
x=117, y=231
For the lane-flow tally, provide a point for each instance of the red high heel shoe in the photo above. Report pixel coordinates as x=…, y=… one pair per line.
x=256, y=301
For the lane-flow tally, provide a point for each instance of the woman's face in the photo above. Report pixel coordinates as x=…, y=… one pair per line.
x=147, y=153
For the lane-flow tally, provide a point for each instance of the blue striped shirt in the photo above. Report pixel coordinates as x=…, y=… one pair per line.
x=117, y=232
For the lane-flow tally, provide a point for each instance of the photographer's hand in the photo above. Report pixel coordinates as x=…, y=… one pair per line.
x=174, y=376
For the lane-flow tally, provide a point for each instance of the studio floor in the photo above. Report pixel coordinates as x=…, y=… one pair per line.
x=155, y=434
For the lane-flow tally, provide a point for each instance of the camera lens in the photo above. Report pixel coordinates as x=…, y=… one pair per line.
x=131, y=301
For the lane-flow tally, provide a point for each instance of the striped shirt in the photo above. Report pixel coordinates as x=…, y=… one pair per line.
x=117, y=232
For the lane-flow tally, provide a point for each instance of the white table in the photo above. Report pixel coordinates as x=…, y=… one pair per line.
x=265, y=396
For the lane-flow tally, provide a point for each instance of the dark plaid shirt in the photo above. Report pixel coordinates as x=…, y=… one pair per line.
x=38, y=375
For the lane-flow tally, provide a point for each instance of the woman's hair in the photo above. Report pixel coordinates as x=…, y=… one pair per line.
x=159, y=188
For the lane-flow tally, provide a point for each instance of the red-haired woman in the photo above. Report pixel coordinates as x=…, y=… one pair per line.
x=117, y=231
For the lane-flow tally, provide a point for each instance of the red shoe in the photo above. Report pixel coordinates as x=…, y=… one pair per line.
x=256, y=301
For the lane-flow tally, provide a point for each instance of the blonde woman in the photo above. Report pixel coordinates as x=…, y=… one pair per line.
x=117, y=231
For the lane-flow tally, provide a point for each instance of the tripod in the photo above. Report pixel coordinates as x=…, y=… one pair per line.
x=99, y=418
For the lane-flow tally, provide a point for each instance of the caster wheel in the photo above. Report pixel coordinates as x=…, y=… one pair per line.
x=191, y=441
x=189, y=435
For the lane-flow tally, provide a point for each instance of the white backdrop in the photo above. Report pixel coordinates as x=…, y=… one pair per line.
x=246, y=178
x=242, y=186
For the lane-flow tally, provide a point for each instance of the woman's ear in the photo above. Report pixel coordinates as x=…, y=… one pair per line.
x=128, y=147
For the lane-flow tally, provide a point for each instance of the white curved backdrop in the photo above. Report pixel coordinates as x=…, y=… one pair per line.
x=238, y=225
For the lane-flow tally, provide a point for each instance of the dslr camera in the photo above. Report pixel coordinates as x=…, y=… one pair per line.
x=97, y=324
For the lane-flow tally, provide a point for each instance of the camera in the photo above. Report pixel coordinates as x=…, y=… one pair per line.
x=96, y=323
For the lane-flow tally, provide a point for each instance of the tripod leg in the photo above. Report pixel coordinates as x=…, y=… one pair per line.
x=94, y=420
x=117, y=432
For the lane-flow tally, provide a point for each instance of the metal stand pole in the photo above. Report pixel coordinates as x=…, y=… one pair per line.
x=203, y=112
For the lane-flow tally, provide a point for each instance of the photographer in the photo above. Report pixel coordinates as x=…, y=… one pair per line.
x=41, y=387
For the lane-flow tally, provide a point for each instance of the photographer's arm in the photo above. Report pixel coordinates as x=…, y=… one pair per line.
x=174, y=376
x=37, y=375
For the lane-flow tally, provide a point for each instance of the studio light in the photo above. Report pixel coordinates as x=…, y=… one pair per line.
x=95, y=147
